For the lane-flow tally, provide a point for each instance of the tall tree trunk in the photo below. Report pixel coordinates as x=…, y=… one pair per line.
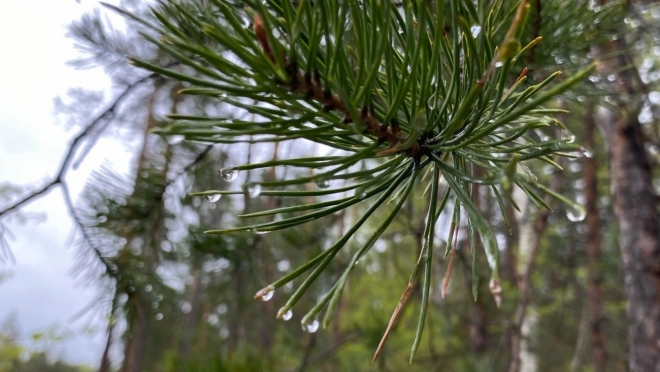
x=525, y=318
x=636, y=211
x=593, y=248
x=477, y=318
x=137, y=339
x=105, y=359
x=522, y=358
x=191, y=319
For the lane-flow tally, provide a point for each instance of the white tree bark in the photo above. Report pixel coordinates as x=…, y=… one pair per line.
x=526, y=243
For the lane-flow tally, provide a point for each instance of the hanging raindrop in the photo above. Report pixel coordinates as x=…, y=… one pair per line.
x=476, y=30
x=311, y=327
x=361, y=192
x=229, y=174
x=323, y=183
x=531, y=178
x=213, y=197
x=575, y=213
x=567, y=136
x=267, y=296
x=175, y=139
x=287, y=315
x=252, y=190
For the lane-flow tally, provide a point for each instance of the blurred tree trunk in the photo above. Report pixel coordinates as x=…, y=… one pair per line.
x=636, y=211
x=105, y=359
x=477, y=322
x=190, y=322
x=531, y=228
x=638, y=238
x=593, y=248
x=136, y=342
x=139, y=321
x=522, y=358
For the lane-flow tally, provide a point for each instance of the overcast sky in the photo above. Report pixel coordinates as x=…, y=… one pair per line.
x=40, y=291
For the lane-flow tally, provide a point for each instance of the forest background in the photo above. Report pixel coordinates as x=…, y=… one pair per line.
x=196, y=296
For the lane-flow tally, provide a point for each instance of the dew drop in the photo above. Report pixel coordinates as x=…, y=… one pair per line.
x=267, y=296
x=287, y=315
x=213, y=197
x=252, y=190
x=311, y=327
x=323, y=183
x=586, y=153
x=575, y=213
x=531, y=178
x=229, y=174
x=567, y=136
x=175, y=139
x=361, y=193
x=499, y=64
x=260, y=232
x=476, y=30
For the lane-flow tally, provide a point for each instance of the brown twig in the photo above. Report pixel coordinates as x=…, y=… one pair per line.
x=393, y=319
x=313, y=89
x=445, y=280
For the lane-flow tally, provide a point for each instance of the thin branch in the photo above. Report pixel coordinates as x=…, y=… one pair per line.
x=324, y=355
x=5, y=252
x=197, y=159
x=107, y=114
x=109, y=268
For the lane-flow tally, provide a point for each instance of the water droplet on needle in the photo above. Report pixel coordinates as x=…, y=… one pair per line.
x=213, y=197
x=575, y=213
x=252, y=190
x=311, y=327
x=267, y=296
x=229, y=174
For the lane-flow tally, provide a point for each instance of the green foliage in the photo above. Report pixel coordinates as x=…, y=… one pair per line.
x=14, y=357
x=216, y=363
x=404, y=94
x=39, y=362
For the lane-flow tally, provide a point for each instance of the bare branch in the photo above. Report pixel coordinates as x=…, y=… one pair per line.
x=103, y=117
x=109, y=268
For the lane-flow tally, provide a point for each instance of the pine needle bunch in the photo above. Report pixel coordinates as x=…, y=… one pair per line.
x=409, y=93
